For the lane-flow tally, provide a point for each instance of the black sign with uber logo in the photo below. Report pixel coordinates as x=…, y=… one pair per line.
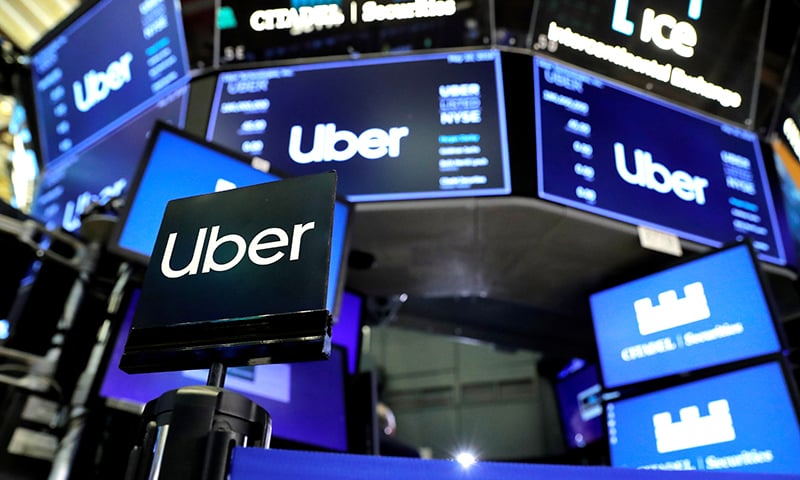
x=238, y=277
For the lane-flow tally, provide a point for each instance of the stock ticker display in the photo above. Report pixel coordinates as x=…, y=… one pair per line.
x=444, y=136
x=611, y=150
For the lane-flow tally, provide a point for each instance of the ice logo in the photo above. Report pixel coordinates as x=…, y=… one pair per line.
x=693, y=430
x=671, y=311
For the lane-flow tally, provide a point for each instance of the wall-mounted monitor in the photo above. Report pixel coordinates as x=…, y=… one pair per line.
x=707, y=312
x=742, y=421
x=177, y=165
x=393, y=127
x=102, y=171
x=614, y=151
x=104, y=64
x=580, y=406
x=306, y=400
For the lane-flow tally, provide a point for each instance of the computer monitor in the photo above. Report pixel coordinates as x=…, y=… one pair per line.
x=103, y=170
x=580, y=405
x=740, y=421
x=104, y=64
x=176, y=165
x=393, y=127
x=706, y=312
x=307, y=400
x=610, y=150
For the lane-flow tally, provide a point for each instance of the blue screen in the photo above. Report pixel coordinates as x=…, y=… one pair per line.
x=393, y=128
x=611, y=150
x=706, y=312
x=305, y=400
x=741, y=421
x=110, y=63
x=176, y=167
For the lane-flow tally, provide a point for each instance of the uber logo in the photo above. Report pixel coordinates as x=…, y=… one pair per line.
x=277, y=236
x=97, y=85
x=663, y=30
x=330, y=144
x=655, y=176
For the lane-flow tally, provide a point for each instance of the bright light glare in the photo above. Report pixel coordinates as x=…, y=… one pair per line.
x=466, y=459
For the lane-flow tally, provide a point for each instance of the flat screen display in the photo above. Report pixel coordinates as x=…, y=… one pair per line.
x=175, y=165
x=703, y=313
x=580, y=405
x=705, y=54
x=305, y=400
x=103, y=66
x=102, y=171
x=611, y=150
x=742, y=421
x=252, y=31
x=393, y=128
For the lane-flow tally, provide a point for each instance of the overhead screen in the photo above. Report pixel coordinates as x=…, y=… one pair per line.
x=699, y=314
x=743, y=421
x=394, y=128
x=280, y=29
x=102, y=171
x=614, y=151
x=305, y=400
x=103, y=66
x=705, y=54
x=176, y=165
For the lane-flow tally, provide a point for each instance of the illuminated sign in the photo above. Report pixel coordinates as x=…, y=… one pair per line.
x=700, y=53
x=317, y=17
x=259, y=30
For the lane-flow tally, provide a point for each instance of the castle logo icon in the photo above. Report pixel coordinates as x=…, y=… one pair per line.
x=671, y=311
x=692, y=430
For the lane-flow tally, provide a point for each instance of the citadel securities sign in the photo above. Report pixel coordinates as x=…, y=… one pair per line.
x=702, y=53
x=306, y=19
x=238, y=277
x=253, y=30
